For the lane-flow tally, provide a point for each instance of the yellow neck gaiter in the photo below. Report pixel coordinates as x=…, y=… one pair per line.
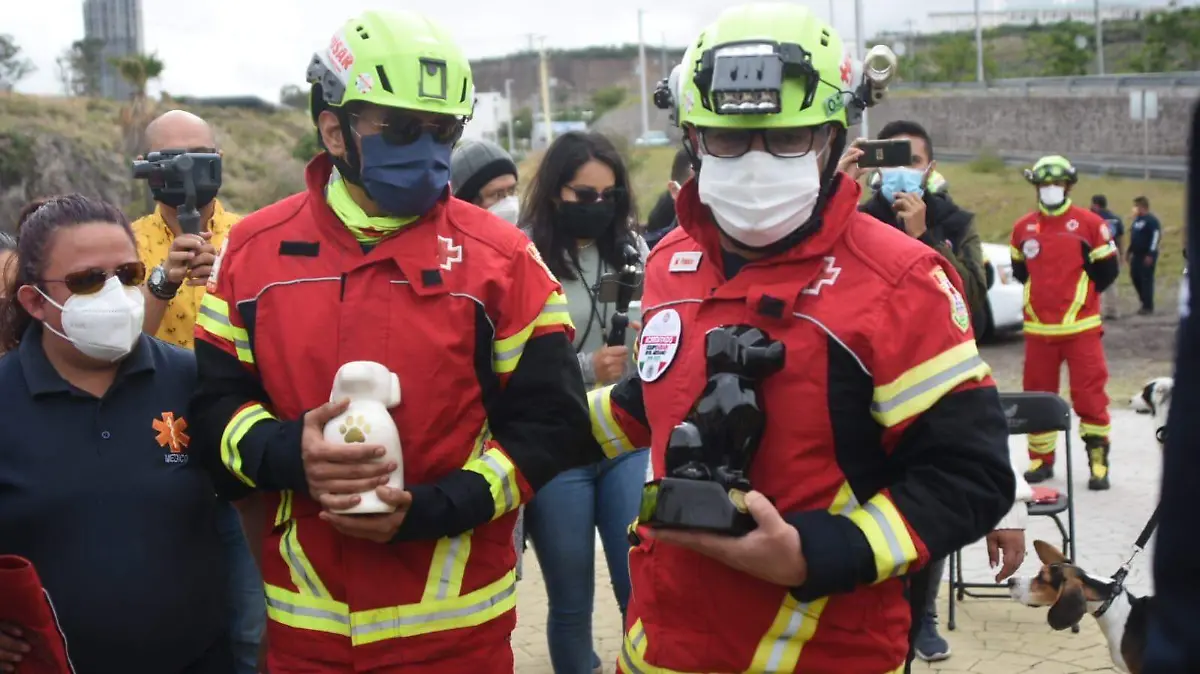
x=365, y=228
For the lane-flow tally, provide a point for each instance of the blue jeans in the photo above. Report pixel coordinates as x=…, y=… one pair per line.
x=247, y=603
x=562, y=521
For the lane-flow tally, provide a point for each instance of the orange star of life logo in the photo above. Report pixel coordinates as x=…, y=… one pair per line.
x=171, y=432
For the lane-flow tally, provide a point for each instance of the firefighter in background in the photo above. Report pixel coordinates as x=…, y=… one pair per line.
x=1066, y=257
x=884, y=446
x=376, y=261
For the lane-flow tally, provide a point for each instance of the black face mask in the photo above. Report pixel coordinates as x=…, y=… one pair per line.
x=174, y=198
x=585, y=221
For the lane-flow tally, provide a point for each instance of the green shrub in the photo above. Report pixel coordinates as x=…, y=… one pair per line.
x=987, y=161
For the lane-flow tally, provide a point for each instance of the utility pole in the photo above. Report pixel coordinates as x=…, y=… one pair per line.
x=545, y=73
x=642, y=75
x=1099, y=39
x=830, y=12
x=860, y=44
x=508, y=97
x=666, y=71
x=979, y=76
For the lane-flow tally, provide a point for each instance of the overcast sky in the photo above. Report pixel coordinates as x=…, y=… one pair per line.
x=253, y=47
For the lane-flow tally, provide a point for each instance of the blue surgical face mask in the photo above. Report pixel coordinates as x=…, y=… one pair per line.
x=893, y=180
x=405, y=180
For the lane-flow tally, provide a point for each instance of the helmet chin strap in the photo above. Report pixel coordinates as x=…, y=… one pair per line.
x=829, y=184
x=348, y=167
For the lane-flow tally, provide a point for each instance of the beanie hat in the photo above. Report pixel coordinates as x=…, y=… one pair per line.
x=474, y=164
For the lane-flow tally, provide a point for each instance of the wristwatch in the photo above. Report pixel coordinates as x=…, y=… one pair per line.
x=160, y=286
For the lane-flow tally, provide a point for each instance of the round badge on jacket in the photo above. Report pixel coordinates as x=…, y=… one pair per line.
x=658, y=344
x=1031, y=248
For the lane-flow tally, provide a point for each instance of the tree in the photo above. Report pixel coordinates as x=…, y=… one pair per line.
x=523, y=123
x=13, y=66
x=1163, y=34
x=138, y=70
x=307, y=147
x=607, y=99
x=293, y=96
x=79, y=67
x=1059, y=51
x=953, y=59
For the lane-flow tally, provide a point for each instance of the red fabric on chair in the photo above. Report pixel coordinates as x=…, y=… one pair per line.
x=25, y=603
x=1046, y=495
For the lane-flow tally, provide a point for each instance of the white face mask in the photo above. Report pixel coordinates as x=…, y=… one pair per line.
x=508, y=208
x=1052, y=195
x=104, y=325
x=758, y=198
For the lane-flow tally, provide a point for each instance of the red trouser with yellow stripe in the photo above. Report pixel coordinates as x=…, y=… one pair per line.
x=1088, y=375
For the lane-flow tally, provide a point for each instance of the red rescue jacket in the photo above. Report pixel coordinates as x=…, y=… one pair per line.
x=461, y=308
x=885, y=444
x=1055, y=253
x=26, y=604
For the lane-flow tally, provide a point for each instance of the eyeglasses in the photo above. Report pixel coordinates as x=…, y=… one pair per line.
x=590, y=195
x=497, y=195
x=400, y=128
x=89, y=281
x=785, y=143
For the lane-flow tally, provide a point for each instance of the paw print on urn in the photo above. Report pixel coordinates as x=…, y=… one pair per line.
x=354, y=429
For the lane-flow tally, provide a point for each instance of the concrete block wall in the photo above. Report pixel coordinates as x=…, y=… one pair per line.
x=1083, y=123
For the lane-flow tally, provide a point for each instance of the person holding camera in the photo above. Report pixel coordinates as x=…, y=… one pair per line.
x=181, y=265
x=376, y=261
x=883, y=443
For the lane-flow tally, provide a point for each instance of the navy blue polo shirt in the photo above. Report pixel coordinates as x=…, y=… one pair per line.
x=119, y=520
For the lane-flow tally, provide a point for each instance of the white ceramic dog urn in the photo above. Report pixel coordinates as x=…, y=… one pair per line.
x=372, y=390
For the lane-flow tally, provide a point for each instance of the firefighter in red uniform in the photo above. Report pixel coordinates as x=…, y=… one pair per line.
x=885, y=444
x=1066, y=257
x=375, y=261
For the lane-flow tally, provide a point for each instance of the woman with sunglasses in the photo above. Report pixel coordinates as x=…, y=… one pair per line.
x=96, y=486
x=580, y=213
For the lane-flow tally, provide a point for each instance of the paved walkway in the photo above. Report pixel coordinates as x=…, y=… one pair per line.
x=993, y=636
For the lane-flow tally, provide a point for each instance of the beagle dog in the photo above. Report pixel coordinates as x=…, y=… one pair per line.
x=1071, y=592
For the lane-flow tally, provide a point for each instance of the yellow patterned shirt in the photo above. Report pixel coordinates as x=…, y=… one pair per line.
x=154, y=239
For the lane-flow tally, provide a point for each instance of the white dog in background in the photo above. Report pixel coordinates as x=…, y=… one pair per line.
x=1155, y=400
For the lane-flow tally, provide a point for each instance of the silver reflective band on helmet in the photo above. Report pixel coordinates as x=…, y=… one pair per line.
x=747, y=78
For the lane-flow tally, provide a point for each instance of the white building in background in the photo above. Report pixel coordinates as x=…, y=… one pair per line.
x=117, y=26
x=998, y=13
x=491, y=114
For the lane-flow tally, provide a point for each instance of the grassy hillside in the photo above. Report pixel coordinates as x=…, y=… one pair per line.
x=998, y=196
x=258, y=164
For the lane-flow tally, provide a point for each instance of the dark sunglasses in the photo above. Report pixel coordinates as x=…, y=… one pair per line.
x=399, y=128
x=90, y=281
x=590, y=195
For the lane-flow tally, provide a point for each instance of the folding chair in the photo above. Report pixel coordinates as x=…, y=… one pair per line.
x=1028, y=413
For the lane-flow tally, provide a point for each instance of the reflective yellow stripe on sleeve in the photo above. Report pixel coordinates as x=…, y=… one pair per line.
x=1102, y=252
x=605, y=428
x=1017, y=255
x=919, y=388
x=506, y=353
x=235, y=430
x=501, y=476
x=888, y=536
x=213, y=316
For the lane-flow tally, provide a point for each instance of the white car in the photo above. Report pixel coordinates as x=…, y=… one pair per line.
x=1006, y=295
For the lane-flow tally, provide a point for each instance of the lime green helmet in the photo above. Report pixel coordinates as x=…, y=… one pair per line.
x=769, y=65
x=397, y=59
x=1052, y=169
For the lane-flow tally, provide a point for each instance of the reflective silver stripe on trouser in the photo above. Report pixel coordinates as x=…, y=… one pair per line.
x=927, y=385
x=629, y=649
x=394, y=623
x=893, y=544
x=294, y=561
x=456, y=544
x=510, y=499
x=303, y=611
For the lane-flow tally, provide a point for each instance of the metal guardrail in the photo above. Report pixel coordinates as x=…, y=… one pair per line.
x=1130, y=81
x=1161, y=168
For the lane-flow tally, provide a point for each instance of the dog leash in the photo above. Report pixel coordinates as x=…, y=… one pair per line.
x=1118, y=585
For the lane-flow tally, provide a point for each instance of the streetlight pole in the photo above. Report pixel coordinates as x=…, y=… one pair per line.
x=545, y=74
x=831, y=12
x=1099, y=39
x=508, y=98
x=978, y=44
x=642, y=76
x=860, y=46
